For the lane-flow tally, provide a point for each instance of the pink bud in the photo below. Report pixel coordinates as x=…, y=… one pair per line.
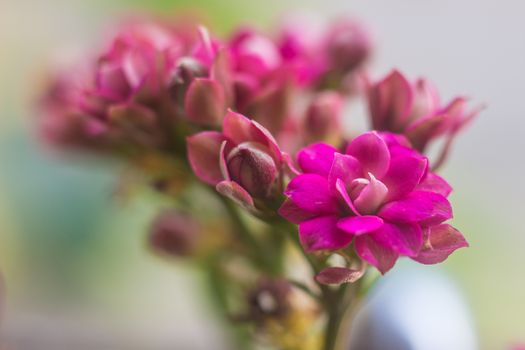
x=185, y=72
x=251, y=166
x=174, y=233
x=322, y=122
x=348, y=45
x=205, y=102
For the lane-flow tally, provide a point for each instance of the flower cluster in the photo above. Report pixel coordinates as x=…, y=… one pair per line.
x=378, y=195
x=258, y=118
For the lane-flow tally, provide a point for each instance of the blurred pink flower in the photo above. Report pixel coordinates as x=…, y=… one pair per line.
x=415, y=110
x=378, y=195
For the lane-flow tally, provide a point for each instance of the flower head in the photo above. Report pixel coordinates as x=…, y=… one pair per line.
x=133, y=95
x=243, y=161
x=415, y=110
x=378, y=195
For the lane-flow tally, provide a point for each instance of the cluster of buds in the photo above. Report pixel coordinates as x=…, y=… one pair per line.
x=156, y=83
x=259, y=118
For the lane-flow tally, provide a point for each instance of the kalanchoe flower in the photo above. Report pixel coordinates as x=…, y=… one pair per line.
x=243, y=162
x=378, y=195
x=151, y=78
x=414, y=109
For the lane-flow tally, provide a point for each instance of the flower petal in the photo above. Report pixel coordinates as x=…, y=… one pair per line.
x=293, y=213
x=406, y=239
x=372, y=152
x=235, y=192
x=358, y=225
x=322, y=234
x=432, y=182
x=317, y=158
x=371, y=196
x=390, y=102
x=205, y=102
x=344, y=167
x=426, y=208
x=240, y=129
x=237, y=127
x=203, y=155
x=310, y=193
x=376, y=253
x=443, y=240
x=404, y=174
x=343, y=193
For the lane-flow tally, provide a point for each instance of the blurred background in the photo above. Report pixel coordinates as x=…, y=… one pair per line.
x=74, y=258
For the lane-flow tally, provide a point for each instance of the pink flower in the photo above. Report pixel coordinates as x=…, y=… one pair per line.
x=151, y=79
x=379, y=195
x=415, y=110
x=243, y=161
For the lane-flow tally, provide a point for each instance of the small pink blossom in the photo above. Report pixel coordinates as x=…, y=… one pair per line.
x=415, y=110
x=378, y=196
x=243, y=161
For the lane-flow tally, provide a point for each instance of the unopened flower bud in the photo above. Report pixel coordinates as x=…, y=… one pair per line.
x=186, y=70
x=348, y=45
x=252, y=167
x=322, y=121
x=174, y=233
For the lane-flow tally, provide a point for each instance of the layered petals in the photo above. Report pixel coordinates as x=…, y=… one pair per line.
x=310, y=193
x=376, y=252
x=322, y=233
x=317, y=158
x=426, y=208
x=380, y=195
x=372, y=152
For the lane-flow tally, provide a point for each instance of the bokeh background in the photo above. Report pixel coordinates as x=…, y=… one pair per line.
x=74, y=258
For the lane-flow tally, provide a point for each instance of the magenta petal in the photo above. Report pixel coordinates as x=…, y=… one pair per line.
x=310, y=193
x=235, y=192
x=316, y=158
x=434, y=183
x=372, y=152
x=358, y=225
x=322, y=234
x=205, y=102
x=371, y=196
x=404, y=174
x=343, y=193
x=338, y=275
x=406, y=239
x=426, y=208
x=344, y=167
x=203, y=155
x=291, y=212
x=443, y=241
x=376, y=253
